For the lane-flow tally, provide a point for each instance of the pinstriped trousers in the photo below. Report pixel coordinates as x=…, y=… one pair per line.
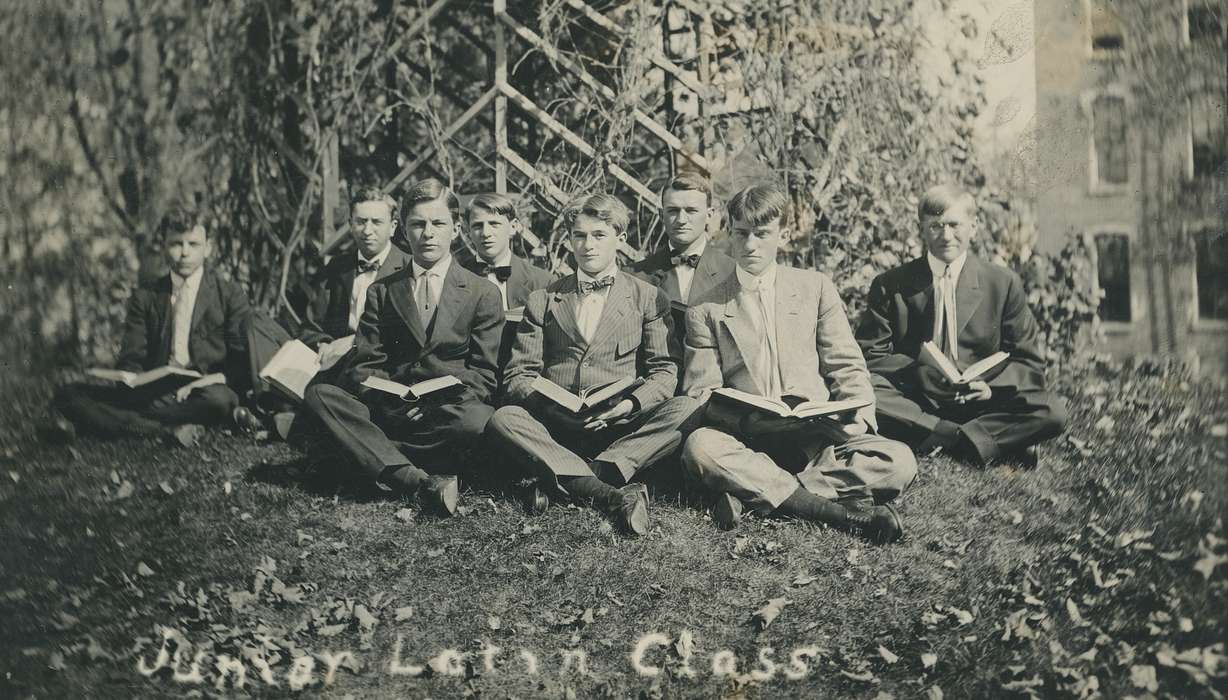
x=550, y=448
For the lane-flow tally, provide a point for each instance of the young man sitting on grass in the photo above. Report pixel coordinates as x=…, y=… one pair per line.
x=189, y=318
x=781, y=333
x=429, y=320
x=587, y=330
x=492, y=224
x=970, y=310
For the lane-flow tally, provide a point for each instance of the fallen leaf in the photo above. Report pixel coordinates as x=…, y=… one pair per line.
x=405, y=515
x=115, y=478
x=142, y=569
x=1073, y=611
x=366, y=621
x=403, y=613
x=1126, y=539
x=802, y=580
x=684, y=646
x=1220, y=430
x=55, y=661
x=166, y=488
x=15, y=476
x=227, y=488
x=494, y=622
x=864, y=676
x=1144, y=676
x=125, y=490
x=934, y=693
x=887, y=655
x=769, y=612
x=331, y=630
x=928, y=660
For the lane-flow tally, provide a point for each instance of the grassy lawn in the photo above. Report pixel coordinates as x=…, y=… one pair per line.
x=1104, y=572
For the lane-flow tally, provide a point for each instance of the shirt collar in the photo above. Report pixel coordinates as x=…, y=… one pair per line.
x=440, y=267
x=751, y=282
x=937, y=267
x=583, y=276
x=379, y=258
x=192, y=281
x=505, y=260
x=696, y=247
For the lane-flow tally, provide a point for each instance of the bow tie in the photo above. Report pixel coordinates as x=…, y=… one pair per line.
x=367, y=265
x=501, y=272
x=679, y=259
x=596, y=285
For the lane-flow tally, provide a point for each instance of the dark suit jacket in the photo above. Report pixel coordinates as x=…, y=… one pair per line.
x=526, y=278
x=462, y=340
x=992, y=315
x=714, y=266
x=631, y=340
x=327, y=316
x=218, y=339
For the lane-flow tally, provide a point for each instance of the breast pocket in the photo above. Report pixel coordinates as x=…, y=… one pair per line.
x=629, y=340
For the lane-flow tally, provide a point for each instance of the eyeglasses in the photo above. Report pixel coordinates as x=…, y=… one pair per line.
x=939, y=226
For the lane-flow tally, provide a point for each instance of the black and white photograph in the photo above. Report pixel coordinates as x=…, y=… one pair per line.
x=614, y=349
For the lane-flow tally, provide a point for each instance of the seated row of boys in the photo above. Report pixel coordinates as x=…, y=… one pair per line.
x=751, y=325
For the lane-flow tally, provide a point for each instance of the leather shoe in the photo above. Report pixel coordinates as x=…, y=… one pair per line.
x=727, y=512
x=246, y=421
x=879, y=524
x=440, y=495
x=536, y=501
x=630, y=511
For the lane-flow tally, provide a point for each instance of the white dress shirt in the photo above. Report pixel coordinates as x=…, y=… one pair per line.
x=761, y=291
x=183, y=303
x=433, y=278
x=684, y=274
x=589, y=306
x=362, y=281
x=946, y=278
x=504, y=260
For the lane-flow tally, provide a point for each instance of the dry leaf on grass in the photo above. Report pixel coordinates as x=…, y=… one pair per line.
x=142, y=569
x=929, y=660
x=769, y=612
x=887, y=655
x=403, y=613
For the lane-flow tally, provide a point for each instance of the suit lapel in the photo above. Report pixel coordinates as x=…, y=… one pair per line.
x=788, y=313
x=451, y=298
x=968, y=294
x=738, y=321
x=706, y=274
x=563, y=306
x=401, y=290
x=920, y=293
x=517, y=283
x=204, y=296
x=618, y=301
x=163, y=310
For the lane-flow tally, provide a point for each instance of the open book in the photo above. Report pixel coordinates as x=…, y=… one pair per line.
x=173, y=377
x=585, y=400
x=806, y=409
x=294, y=364
x=435, y=388
x=932, y=356
x=515, y=315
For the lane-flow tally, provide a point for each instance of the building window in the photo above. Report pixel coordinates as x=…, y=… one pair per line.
x=1204, y=23
x=1113, y=276
x=1107, y=37
x=1211, y=274
x=1109, y=140
x=1208, y=135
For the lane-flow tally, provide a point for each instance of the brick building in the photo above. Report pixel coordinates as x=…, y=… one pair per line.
x=1132, y=153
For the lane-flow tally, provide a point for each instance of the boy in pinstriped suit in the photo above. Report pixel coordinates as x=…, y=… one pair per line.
x=586, y=330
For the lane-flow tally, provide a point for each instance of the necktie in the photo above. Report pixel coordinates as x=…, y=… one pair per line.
x=501, y=272
x=680, y=259
x=944, y=326
x=425, y=299
x=182, y=327
x=367, y=265
x=596, y=285
x=767, y=370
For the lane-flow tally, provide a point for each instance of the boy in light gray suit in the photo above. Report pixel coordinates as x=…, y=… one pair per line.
x=782, y=333
x=587, y=330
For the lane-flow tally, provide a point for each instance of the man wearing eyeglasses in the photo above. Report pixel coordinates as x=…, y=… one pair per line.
x=969, y=309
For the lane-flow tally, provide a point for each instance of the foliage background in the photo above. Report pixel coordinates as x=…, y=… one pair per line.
x=114, y=111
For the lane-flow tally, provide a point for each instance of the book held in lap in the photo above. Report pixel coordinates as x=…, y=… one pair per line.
x=436, y=388
x=294, y=364
x=158, y=380
x=778, y=407
x=933, y=357
x=587, y=399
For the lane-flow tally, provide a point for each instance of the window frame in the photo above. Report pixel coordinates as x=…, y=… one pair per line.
x=1192, y=232
x=1127, y=231
x=1095, y=186
x=1089, y=41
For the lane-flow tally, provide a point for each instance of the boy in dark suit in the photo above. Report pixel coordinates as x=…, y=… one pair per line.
x=430, y=319
x=492, y=224
x=586, y=330
x=688, y=267
x=970, y=309
x=189, y=318
x=781, y=333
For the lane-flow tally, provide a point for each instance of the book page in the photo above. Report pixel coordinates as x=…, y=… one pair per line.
x=557, y=394
x=386, y=385
x=111, y=375
x=331, y=353
x=828, y=408
x=777, y=407
x=932, y=356
x=979, y=368
x=430, y=386
x=610, y=390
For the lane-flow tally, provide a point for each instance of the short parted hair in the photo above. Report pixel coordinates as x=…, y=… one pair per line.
x=688, y=181
x=429, y=190
x=500, y=204
x=939, y=198
x=759, y=205
x=370, y=193
x=604, y=207
x=180, y=219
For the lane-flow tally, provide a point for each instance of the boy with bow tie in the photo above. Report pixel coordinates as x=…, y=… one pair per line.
x=970, y=309
x=492, y=224
x=591, y=328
